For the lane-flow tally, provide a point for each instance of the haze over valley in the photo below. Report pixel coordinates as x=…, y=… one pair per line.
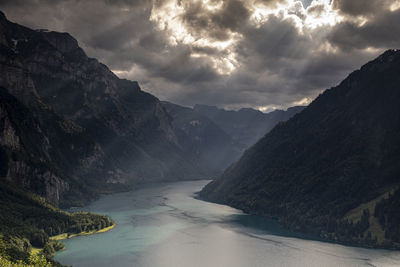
x=199, y=133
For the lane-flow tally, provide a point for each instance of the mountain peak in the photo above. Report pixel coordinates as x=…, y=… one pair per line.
x=63, y=41
x=385, y=60
x=390, y=53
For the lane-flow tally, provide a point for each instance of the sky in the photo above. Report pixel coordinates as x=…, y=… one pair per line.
x=264, y=54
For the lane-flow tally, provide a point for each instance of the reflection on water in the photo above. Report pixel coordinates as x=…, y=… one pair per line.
x=165, y=225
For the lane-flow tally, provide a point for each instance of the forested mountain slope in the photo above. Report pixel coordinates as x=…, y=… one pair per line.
x=27, y=222
x=334, y=168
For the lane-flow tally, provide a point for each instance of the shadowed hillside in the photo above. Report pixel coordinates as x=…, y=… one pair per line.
x=71, y=129
x=214, y=149
x=332, y=169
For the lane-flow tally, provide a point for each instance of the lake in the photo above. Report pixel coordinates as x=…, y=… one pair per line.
x=165, y=225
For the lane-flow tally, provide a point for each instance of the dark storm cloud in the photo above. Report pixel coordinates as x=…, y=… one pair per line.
x=215, y=24
x=271, y=3
x=171, y=63
x=360, y=7
x=326, y=66
x=113, y=37
x=380, y=32
x=274, y=63
x=131, y=3
x=277, y=40
x=271, y=63
x=232, y=15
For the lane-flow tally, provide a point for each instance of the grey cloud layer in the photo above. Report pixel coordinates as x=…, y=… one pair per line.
x=380, y=32
x=361, y=7
x=277, y=64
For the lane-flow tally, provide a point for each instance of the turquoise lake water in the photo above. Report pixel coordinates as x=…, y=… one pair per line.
x=164, y=225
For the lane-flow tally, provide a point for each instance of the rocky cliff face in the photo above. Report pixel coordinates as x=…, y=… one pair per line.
x=334, y=168
x=26, y=151
x=76, y=129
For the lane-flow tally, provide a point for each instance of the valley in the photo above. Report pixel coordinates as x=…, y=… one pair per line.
x=166, y=225
x=230, y=150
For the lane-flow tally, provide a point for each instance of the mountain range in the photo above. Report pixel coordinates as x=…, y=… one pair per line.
x=246, y=126
x=217, y=136
x=72, y=129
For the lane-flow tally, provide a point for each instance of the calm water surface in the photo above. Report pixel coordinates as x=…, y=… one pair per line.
x=164, y=225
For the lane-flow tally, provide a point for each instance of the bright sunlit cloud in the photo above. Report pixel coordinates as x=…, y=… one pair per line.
x=395, y=5
x=302, y=102
x=169, y=17
x=265, y=54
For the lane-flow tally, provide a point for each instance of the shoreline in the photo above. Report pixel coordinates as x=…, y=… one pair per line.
x=65, y=236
